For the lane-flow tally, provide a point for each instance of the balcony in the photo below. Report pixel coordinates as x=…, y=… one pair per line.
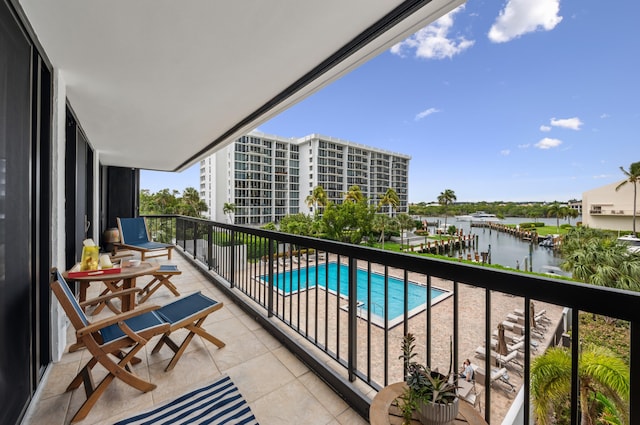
x=264, y=371
x=352, y=343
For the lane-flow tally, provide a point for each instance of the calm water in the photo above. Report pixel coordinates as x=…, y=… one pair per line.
x=508, y=250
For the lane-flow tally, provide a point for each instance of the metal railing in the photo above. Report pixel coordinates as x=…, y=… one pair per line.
x=304, y=284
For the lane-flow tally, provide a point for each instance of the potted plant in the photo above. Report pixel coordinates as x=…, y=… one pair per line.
x=432, y=394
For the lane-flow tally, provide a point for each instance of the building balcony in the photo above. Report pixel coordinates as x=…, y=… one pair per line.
x=288, y=306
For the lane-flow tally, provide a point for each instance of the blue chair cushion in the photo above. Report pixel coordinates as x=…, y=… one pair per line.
x=185, y=307
x=134, y=230
x=168, y=268
x=138, y=323
x=150, y=245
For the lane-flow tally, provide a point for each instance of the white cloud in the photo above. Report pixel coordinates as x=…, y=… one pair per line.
x=520, y=17
x=570, y=123
x=601, y=176
x=426, y=113
x=605, y=115
x=505, y=152
x=434, y=40
x=548, y=143
x=524, y=146
x=545, y=128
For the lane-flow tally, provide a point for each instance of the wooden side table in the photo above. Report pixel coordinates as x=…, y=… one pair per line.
x=384, y=409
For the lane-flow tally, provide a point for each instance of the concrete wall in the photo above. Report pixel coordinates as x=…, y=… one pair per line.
x=606, y=208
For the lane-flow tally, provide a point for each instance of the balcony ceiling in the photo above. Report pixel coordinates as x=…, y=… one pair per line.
x=160, y=84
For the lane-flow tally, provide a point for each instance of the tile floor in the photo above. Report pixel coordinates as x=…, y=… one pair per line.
x=277, y=386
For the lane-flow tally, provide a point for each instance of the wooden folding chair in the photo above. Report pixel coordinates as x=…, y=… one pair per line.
x=131, y=329
x=106, y=339
x=160, y=278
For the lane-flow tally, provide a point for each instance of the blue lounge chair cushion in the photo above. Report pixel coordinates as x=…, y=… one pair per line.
x=185, y=307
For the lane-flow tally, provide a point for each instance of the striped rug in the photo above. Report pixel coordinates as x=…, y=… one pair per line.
x=217, y=403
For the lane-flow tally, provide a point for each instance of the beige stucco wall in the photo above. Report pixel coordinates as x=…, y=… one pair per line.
x=616, y=207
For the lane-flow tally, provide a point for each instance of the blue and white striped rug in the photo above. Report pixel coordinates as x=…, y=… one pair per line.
x=217, y=403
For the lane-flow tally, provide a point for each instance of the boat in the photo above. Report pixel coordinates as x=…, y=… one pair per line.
x=632, y=242
x=548, y=241
x=478, y=216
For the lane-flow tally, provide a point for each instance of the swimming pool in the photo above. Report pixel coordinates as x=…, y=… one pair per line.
x=290, y=282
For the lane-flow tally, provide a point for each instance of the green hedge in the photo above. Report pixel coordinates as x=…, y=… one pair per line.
x=530, y=225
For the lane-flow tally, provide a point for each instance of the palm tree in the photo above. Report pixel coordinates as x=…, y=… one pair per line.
x=633, y=177
x=354, y=194
x=556, y=210
x=317, y=198
x=228, y=209
x=593, y=258
x=191, y=204
x=405, y=222
x=391, y=199
x=382, y=222
x=599, y=372
x=445, y=198
x=572, y=213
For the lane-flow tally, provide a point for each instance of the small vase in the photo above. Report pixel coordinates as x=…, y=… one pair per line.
x=437, y=414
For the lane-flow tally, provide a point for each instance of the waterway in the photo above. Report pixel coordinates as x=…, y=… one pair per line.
x=507, y=250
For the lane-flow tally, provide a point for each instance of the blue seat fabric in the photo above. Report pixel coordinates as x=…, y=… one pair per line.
x=185, y=307
x=137, y=323
x=134, y=232
x=170, y=313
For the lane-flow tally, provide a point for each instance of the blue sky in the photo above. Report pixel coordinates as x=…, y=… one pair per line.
x=515, y=101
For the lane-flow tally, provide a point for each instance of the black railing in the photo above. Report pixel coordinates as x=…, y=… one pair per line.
x=305, y=283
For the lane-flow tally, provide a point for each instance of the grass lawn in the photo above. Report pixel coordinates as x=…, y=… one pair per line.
x=548, y=230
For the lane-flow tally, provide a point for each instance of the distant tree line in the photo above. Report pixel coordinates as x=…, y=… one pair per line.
x=168, y=201
x=533, y=211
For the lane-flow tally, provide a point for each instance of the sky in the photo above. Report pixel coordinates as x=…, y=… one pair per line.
x=516, y=100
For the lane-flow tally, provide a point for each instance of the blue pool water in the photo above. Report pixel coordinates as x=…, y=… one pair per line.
x=291, y=282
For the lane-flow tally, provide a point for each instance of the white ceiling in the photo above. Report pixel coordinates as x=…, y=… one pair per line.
x=159, y=84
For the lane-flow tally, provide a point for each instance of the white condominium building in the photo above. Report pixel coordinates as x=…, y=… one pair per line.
x=268, y=177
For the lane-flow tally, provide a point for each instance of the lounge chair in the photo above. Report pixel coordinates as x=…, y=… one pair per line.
x=510, y=358
x=497, y=375
x=515, y=340
x=134, y=235
x=107, y=339
x=518, y=346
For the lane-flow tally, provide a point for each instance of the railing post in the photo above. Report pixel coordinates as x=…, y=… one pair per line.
x=487, y=359
x=527, y=360
x=232, y=272
x=271, y=282
x=456, y=325
x=195, y=240
x=575, y=358
x=195, y=231
x=634, y=366
x=210, y=247
x=353, y=318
